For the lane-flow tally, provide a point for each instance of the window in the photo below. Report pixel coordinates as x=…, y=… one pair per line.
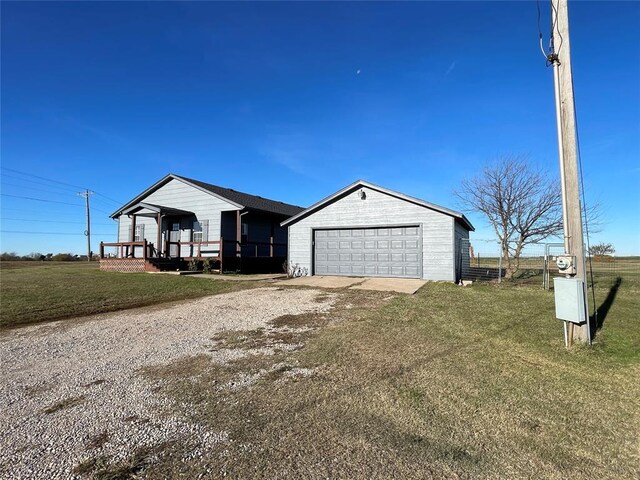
x=138, y=236
x=199, y=231
x=244, y=236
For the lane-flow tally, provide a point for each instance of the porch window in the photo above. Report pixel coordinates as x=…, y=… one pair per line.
x=199, y=231
x=138, y=235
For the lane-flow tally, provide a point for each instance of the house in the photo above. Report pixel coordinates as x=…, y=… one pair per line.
x=178, y=219
x=368, y=230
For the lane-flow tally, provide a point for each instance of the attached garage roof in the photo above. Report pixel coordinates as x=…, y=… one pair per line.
x=361, y=183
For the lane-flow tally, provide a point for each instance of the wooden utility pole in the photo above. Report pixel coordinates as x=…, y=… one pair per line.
x=87, y=232
x=560, y=57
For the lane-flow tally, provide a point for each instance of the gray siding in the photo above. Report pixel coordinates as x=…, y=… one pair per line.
x=176, y=194
x=380, y=209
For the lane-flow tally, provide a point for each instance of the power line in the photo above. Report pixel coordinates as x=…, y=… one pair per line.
x=109, y=198
x=37, y=220
x=38, y=189
x=68, y=185
x=41, y=200
x=42, y=178
x=3, y=175
x=53, y=233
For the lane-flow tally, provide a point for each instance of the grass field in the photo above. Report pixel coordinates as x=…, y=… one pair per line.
x=449, y=383
x=452, y=382
x=32, y=292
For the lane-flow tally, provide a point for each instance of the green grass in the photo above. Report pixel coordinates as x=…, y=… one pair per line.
x=451, y=382
x=32, y=292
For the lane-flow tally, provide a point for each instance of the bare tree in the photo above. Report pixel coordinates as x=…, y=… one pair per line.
x=601, y=249
x=522, y=203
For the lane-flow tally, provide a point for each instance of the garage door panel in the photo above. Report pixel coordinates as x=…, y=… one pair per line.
x=389, y=251
x=412, y=271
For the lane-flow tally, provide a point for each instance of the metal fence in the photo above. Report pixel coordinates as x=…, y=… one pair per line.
x=536, y=264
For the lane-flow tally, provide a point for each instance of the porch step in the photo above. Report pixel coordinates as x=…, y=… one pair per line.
x=163, y=264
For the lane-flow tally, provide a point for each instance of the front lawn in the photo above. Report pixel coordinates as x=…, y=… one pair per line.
x=33, y=292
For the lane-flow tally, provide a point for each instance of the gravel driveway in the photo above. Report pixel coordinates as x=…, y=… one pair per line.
x=70, y=390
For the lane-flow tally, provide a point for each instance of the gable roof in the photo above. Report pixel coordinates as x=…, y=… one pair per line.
x=238, y=199
x=362, y=183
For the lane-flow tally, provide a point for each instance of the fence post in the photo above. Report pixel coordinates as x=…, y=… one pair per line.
x=500, y=269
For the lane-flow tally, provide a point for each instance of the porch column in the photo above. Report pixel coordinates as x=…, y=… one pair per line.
x=271, y=240
x=238, y=234
x=159, y=237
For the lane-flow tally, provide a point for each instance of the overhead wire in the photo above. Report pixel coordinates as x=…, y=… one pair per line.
x=49, y=185
x=41, y=200
x=37, y=220
x=37, y=189
x=42, y=178
x=53, y=233
x=66, y=185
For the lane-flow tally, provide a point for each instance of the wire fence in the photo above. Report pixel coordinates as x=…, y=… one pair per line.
x=537, y=265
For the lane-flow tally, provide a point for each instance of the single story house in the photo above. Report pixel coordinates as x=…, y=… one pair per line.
x=178, y=219
x=368, y=230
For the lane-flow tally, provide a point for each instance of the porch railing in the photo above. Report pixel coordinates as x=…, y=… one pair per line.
x=239, y=246
x=128, y=249
x=214, y=248
x=196, y=248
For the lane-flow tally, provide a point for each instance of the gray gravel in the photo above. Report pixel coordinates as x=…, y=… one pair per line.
x=91, y=365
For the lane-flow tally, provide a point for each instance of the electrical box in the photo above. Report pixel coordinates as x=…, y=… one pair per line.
x=570, y=300
x=566, y=264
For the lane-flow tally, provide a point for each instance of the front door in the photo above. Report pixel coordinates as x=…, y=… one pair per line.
x=173, y=239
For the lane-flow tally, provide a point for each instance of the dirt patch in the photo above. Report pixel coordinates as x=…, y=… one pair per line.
x=66, y=403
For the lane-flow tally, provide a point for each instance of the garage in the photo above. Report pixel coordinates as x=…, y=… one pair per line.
x=365, y=230
x=372, y=252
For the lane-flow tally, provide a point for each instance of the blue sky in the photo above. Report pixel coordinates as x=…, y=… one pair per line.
x=295, y=100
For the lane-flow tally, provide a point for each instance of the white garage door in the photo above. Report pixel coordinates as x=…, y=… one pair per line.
x=371, y=252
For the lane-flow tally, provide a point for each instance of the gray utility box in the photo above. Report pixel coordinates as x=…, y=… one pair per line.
x=570, y=300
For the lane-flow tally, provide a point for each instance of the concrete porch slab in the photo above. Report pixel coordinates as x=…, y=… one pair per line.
x=400, y=285
x=323, y=282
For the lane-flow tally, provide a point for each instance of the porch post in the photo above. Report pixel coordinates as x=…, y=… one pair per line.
x=159, y=237
x=271, y=241
x=238, y=234
x=133, y=229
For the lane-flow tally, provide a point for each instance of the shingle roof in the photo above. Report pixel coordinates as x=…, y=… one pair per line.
x=253, y=202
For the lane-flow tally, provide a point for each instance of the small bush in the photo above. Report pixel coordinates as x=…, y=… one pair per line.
x=207, y=265
x=194, y=265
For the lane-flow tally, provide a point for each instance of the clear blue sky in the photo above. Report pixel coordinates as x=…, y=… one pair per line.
x=295, y=100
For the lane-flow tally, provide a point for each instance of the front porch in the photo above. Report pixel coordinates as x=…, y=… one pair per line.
x=160, y=238
x=143, y=256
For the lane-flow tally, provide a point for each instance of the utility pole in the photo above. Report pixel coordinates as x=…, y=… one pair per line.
x=87, y=232
x=560, y=57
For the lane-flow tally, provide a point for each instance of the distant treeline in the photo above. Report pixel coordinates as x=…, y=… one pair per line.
x=42, y=257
